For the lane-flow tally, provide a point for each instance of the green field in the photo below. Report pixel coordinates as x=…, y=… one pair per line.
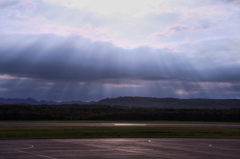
x=133, y=122
x=116, y=132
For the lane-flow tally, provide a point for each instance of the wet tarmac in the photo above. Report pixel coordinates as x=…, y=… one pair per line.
x=120, y=149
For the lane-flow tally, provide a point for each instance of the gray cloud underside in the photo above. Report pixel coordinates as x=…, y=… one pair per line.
x=234, y=2
x=64, y=68
x=7, y=3
x=77, y=59
x=93, y=91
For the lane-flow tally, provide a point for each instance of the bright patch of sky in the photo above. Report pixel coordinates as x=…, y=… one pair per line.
x=125, y=23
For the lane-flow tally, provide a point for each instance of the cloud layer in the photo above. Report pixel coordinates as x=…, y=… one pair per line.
x=64, y=50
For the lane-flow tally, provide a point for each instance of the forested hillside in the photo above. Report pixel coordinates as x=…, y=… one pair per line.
x=172, y=102
x=148, y=102
x=78, y=112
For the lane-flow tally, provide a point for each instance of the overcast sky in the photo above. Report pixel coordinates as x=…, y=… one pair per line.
x=94, y=49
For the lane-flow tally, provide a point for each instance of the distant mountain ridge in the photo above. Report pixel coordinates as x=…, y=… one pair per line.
x=148, y=102
x=172, y=102
x=32, y=101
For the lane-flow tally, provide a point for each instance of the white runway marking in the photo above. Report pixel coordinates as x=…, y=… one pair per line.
x=36, y=154
x=31, y=146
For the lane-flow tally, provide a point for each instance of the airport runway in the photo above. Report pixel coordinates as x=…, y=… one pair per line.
x=120, y=149
x=116, y=124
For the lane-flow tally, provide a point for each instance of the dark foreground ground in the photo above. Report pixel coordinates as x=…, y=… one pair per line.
x=121, y=149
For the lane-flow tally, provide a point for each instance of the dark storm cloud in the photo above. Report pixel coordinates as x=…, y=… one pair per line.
x=64, y=68
x=55, y=58
x=230, y=74
x=77, y=59
x=159, y=78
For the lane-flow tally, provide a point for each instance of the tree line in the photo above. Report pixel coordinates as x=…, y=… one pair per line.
x=104, y=112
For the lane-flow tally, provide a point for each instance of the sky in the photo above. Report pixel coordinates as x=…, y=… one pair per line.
x=94, y=49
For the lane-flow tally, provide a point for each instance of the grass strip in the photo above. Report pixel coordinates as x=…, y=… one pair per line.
x=7, y=133
x=127, y=122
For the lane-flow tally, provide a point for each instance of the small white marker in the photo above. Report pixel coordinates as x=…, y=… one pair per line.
x=149, y=140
